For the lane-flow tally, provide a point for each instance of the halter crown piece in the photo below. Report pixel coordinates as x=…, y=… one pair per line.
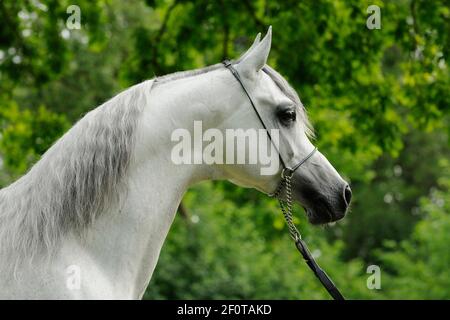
x=286, y=205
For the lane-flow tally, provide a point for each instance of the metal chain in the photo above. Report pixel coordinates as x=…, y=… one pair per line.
x=286, y=206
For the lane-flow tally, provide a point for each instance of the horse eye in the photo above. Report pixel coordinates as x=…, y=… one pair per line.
x=287, y=116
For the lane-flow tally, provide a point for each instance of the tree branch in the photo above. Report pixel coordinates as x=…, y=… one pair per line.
x=183, y=211
x=412, y=8
x=255, y=18
x=159, y=35
x=226, y=31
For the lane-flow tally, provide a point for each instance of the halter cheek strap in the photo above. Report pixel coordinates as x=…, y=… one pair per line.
x=229, y=66
x=286, y=205
x=286, y=170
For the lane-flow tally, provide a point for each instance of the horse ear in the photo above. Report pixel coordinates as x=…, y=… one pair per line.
x=257, y=40
x=257, y=57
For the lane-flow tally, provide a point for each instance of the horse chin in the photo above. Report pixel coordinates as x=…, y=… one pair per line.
x=322, y=215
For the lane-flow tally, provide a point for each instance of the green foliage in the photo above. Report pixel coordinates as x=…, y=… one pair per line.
x=25, y=135
x=418, y=267
x=387, y=208
x=33, y=30
x=379, y=101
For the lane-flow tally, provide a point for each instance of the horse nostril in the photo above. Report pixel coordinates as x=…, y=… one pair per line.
x=347, y=194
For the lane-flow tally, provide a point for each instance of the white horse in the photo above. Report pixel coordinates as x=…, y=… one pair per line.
x=89, y=219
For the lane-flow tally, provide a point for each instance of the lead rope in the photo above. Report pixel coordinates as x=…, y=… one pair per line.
x=286, y=208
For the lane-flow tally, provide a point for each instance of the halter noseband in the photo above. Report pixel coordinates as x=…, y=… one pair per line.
x=286, y=205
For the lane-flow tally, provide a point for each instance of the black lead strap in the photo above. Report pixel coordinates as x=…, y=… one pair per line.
x=318, y=271
x=299, y=243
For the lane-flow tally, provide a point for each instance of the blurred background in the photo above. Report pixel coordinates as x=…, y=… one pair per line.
x=379, y=100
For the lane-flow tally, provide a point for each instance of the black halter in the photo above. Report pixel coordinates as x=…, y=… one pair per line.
x=286, y=207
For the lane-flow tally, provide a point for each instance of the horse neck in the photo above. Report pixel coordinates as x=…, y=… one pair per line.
x=127, y=241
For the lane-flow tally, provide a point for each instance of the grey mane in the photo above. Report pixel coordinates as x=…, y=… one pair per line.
x=187, y=74
x=82, y=173
x=75, y=180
